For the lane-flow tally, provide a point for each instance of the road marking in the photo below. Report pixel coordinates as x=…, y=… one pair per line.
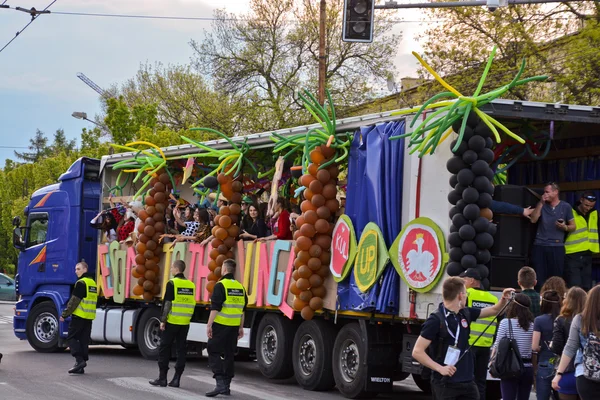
x=6, y=319
x=141, y=384
x=240, y=388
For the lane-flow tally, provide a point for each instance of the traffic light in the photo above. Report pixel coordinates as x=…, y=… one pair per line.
x=358, y=21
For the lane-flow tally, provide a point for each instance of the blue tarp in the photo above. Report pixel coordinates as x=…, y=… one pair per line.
x=374, y=194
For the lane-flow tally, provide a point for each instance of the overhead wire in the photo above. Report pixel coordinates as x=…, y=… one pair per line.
x=33, y=18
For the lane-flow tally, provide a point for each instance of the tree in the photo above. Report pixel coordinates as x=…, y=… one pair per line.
x=38, y=146
x=557, y=40
x=61, y=144
x=124, y=123
x=265, y=57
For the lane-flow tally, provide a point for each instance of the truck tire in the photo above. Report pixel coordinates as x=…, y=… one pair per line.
x=423, y=384
x=148, y=333
x=42, y=328
x=349, y=356
x=274, y=341
x=312, y=355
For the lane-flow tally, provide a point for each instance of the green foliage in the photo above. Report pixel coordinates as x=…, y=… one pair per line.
x=124, y=123
x=38, y=146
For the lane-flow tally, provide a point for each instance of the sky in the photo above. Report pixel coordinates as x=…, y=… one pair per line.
x=39, y=88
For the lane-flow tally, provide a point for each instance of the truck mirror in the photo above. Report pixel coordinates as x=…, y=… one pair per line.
x=16, y=221
x=18, y=238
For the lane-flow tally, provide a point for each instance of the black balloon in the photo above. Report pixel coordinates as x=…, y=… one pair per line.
x=473, y=120
x=484, y=272
x=486, y=284
x=468, y=261
x=454, y=239
x=490, y=174
x=480, y=168
x=453, y=180
x=492, y=228
x=459, y=220
x=481, y=224
x=483, y=256
x=469, y=247
x=455, y=164
x=470, y=195
x=453, y=229
x=453, y=211
x=467, y=232
x=489, y=143
x=483, y=240
x=465, y=177
x=460, y=188
x=454, y=197
x=477, y=143
x=485, y=200
x=469, y=156
x=461, y=204
x=486, y=155
x=481, y=183
x=210, y=182
x=456, y=254
x=462, y=147
x=454, y=269
x=471, y=212
x=483, y=130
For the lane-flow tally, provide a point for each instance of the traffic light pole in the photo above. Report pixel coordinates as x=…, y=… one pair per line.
x=322, y=53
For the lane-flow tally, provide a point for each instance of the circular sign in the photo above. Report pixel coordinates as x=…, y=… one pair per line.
x=371, y=257
x=343, y=248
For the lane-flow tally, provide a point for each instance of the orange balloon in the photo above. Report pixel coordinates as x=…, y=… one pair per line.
x=316, y=303
x=315, y=281
x=221, y=234
x=307, y=313
x=312, y=169
x=308, y=194
x=140, y=248
x=210, y=286
x=304, y=272
x=316, y=156
x=303, y=284
x=138, y=290
x=303, y=242
x=224, y=210
x=298, y=304
x=307, y=206
x=305, y=296
x=319, y=291
x=225, y=221
x=150, y=201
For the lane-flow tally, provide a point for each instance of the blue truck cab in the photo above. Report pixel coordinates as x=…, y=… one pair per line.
x=57, y=234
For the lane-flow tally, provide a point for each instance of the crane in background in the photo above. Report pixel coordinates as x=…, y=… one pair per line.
x=94, y=86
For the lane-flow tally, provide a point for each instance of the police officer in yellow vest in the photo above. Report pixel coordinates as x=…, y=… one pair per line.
x=225, y=327
x=582, y=243
x=178, y=307
x=479, y=298
x=82, y=309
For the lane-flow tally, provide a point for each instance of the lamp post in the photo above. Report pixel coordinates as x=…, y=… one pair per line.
x=82, y=115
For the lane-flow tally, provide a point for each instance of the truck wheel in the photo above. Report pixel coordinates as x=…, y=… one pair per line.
x=349, y=357
x=274, y=341
x=312, y=355
x=148, y=333
x=42, y=328
x=423, y=384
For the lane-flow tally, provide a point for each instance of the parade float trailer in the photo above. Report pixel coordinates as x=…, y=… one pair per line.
x=343, y=303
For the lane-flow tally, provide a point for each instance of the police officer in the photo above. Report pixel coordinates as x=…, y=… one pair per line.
x=225, y=327
x=582, y=243
x=82, y=309
x=478, y=298
x=178, y=307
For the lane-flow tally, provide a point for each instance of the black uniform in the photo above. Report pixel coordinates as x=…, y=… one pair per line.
x=221, y=348
x=172, y=333
x=80, y=329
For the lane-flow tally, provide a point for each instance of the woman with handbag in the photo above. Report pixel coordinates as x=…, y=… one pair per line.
x=572, y=306
x=542, y=335
x=518, y=325
x=584, y=346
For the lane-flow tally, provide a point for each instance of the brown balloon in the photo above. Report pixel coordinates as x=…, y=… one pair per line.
x=236, y=198
x=149, y=222
x=156, y=236
x=160, y=207
x=148, y=285
x=307, y=313
x=152, y=192
x=315, y=251
x=143, y=238
x=306, y=206
x=149, y=254
x=149, y=201
x=330, y=191
x=217, y=272
x=318, y=200
x=135, y=274
x=306, y=179
x=159, y=226
x=235, y=209
x=215, y=243
x=230, y=254
x=138, y=290
x=164, y=178
x=305, y=296
x=150, y=264
x=323, y=212
x=328, y=152
x=323, y=272
x=225, y=221
x=486, y=213
x=212, y=265
x=148, y=296
x=316, y=303
x=304, y=272
x=141, y=281
x=141, y=227
x=333, y=205
x=143, y=215
x=211, y=276
x=334, y=171
x=220, y=259
x=151, y=245
x=298, y=304
x=151, y=211
x=303, y=284
x=156, y=289
x=140, y=248
x=234, y=218
x=223, y=249
x=325, y=257
x=297, y=264
x=323, y=240
x=160, y=197
x=315, y=281
x=303, y=255
x=299, y=221
x=150, y=275
x=295, y=275
x=230, y=241
x=210, y=286
x=308, y=230
x=308, y=194
x=319, y=291
x=140, y=259
x=237, y=186
x=158, y=217
x=294, y=289
x=316, y=187
x=159, y=187
x=221, y=234
x=323, y=176
x=149, y=230
x=304, y=242
x=314, y=264
x=322, y=226
x=310, y=217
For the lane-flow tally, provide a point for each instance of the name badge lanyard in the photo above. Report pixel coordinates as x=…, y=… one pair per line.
x=455, y=336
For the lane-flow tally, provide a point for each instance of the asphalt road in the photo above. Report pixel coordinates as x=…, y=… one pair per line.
x=114, y=373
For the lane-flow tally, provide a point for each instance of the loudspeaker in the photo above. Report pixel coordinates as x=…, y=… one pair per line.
x=514, y=236
x=512, y=194
x=504, y=272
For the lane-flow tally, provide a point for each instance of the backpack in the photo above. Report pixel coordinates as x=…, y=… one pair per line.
x=591, y=358
x=507, y=362
x=436, y=348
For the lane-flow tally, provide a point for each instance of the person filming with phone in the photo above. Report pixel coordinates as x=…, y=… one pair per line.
x=555, y=219
x=447, y=331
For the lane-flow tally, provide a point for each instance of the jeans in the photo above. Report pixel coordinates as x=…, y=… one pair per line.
x=578, y=270
x=547, y=261
x=518, y=388
x=543, y=380
x=454, y=391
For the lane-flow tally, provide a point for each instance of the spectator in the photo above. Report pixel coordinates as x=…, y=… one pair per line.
x=527, y=281
x=203, y=231
x=584, y=324
x=127, y=225
x=190, y=224
x=557, y=284
x=106, y=222
x=253, y=225
x=246, y=202
x=452, y=379
x=280, y=222
x=555, y=219
x=572, y=306
x=520, y=319
x=542, y=335
x=582, y=243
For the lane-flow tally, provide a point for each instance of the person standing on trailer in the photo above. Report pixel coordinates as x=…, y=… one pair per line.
x=478, y=298
x=225, y=327
x=82, y=309
x=178, y=309
x=582, y=243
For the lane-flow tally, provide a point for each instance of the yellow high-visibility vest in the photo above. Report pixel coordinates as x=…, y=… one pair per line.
x=585, y=235
x=481, y=299
x=87, y=307
x=182, y=307
x=233, y=306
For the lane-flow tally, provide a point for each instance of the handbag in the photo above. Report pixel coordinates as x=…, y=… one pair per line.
x=507, y=362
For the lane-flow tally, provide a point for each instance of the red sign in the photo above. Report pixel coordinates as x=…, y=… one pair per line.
x=343, y=248
x=419, y=255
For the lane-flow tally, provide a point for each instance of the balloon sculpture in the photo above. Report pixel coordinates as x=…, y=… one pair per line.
x=471, y=233
x=321, y=155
